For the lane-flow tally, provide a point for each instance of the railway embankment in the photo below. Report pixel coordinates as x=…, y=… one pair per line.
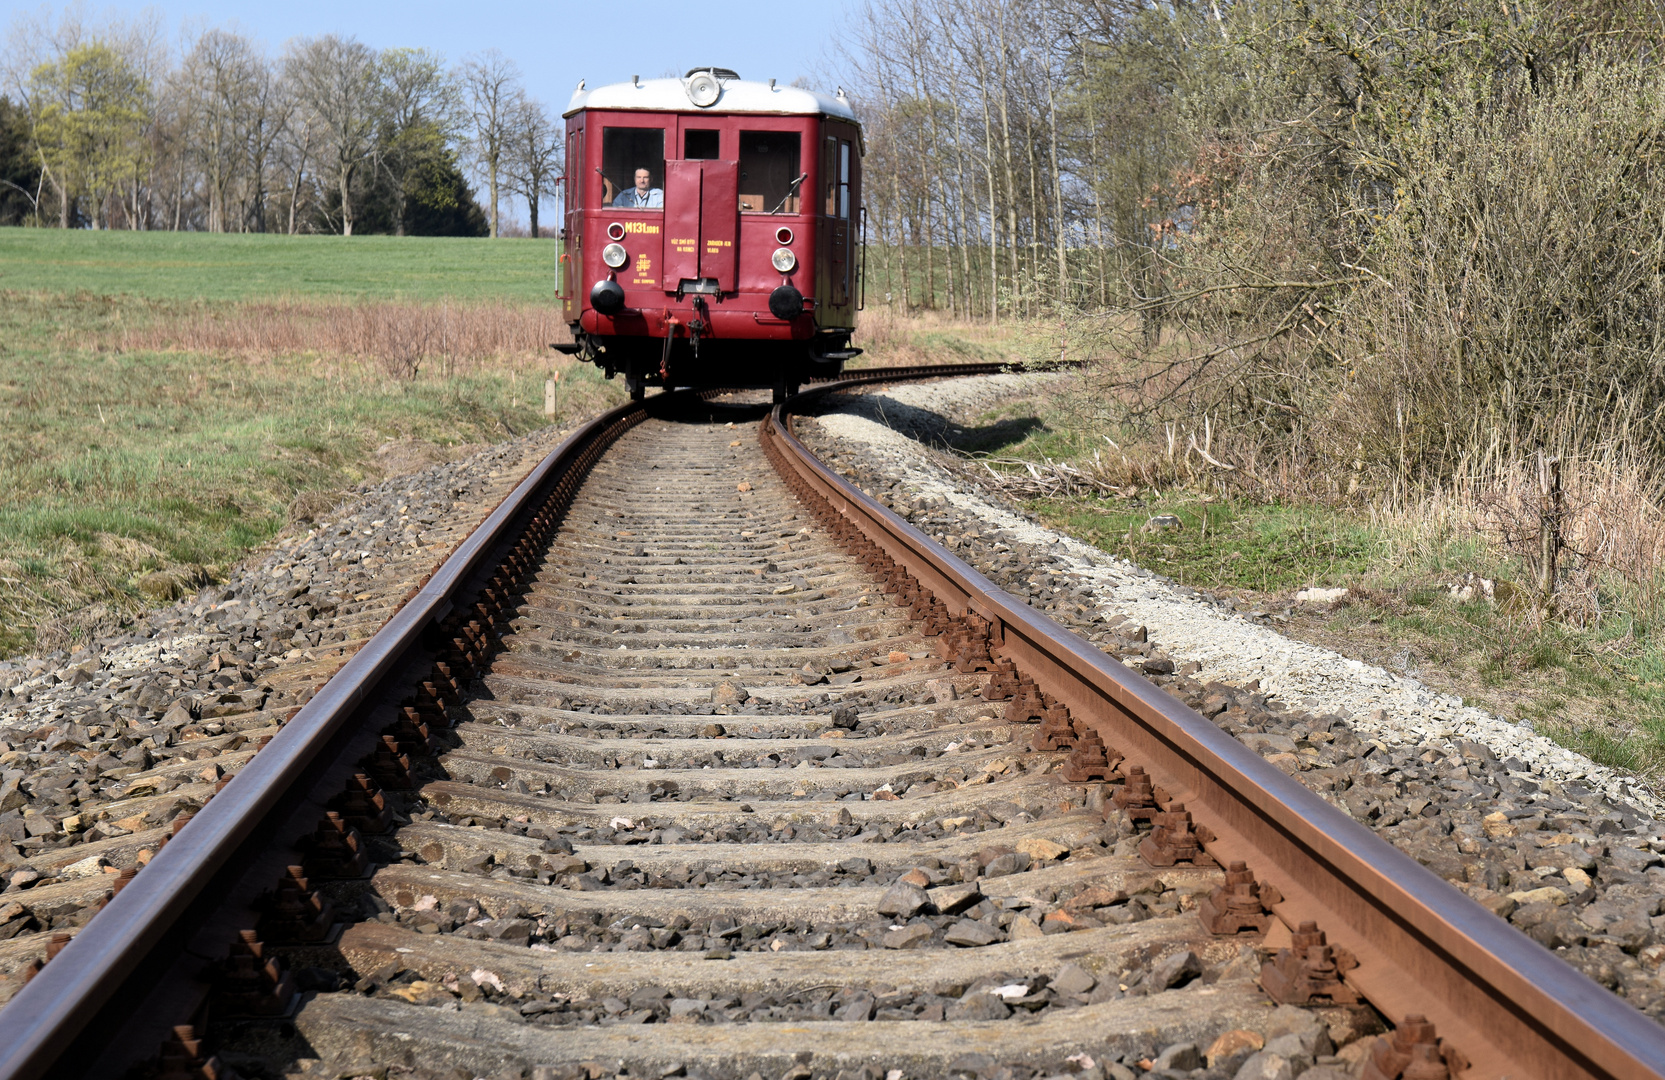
x=1567, y=850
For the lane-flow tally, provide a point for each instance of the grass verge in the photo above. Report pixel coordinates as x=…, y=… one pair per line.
x=116, y=463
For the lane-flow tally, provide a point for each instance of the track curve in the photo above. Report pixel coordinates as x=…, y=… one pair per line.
x=553, y=829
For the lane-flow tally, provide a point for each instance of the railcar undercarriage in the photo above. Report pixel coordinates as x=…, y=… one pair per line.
x=781, y=366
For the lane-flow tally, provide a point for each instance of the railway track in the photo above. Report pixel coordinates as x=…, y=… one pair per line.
x=694, y=760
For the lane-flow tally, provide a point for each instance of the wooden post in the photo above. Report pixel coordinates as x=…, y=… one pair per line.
x=1549, y=526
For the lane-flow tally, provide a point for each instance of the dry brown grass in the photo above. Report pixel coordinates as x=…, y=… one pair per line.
x=893, y=338
x=1612, y=528
x=401, y=338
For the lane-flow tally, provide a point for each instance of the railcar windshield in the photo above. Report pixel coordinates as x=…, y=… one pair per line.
x=768, y=167
x=700, y=145
x=627, y=153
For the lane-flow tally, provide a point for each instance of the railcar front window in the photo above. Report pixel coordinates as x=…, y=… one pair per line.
x=768, y=168
x=626, y=154
x=700, y=145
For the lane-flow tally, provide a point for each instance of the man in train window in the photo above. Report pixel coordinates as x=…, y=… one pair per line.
x=643, y=196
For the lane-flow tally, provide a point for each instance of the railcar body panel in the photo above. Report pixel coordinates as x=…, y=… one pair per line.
x=711, y=243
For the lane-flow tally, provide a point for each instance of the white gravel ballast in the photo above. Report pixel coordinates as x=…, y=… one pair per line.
x=1398, y=710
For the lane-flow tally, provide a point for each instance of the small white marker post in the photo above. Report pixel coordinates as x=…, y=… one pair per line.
x=549, y=393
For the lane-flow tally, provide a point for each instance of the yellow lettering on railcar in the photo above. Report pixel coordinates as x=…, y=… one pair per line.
x=715, y=244
x=640, y=227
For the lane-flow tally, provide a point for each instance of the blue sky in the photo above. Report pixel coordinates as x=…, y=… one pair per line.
x=554, y=43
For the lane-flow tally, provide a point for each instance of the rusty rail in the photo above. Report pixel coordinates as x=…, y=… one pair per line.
x=1511, y=1007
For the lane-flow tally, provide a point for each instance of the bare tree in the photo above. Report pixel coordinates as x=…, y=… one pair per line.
x=491, y=83
x=172, y=137
x=269, y=112
x=534, y=155
x=336, y=82
x=220, y=80
x=294, y=151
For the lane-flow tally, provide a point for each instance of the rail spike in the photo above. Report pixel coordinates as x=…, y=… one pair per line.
x=296, y=913
x=1090, y=760
x=1241, y=906
x=1003, y=681
x=1413, y=1052
x=336, y=850
x=1136, y=798
x=1057, y=730
x=183, y=1057
x=1310, y=971
x=1174, y=839
x=363, y=806
x=253, y=983
x=1027, y=706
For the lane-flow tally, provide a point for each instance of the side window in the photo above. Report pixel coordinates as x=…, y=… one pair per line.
x=844, y=179
x=769, y=171
x=829, y=177
x=700, y=145
x=626, y=153
x=575, y=159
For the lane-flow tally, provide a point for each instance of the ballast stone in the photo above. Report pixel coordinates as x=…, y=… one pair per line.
x=903, y=901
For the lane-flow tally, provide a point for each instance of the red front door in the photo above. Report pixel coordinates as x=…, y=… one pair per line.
x=720, y=222
x=702, y=218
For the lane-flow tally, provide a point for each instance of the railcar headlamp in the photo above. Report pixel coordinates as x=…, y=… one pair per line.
x=704, y=89
x=784, y=260
x=614, y=256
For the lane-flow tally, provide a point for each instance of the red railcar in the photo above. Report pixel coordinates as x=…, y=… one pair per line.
x=712, y=229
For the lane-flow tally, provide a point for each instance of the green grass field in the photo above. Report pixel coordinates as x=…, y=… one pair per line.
x=201, y=266
x=117, y=461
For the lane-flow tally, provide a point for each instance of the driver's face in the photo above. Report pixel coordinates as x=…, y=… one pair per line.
x=641, y=180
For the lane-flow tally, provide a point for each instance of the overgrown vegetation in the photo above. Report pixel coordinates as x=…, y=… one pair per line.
x=1416, y=254
x=1391, y=270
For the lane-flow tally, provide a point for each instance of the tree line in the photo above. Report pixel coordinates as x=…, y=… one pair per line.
x=985, y=160
x=1398, y=236
x=1015, y=151
x=110, y=128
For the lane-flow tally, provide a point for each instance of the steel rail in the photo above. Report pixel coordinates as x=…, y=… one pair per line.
x=44, y=1020
x=1508, y=1004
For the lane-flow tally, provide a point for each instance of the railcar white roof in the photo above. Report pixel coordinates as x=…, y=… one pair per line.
x=738, y=96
